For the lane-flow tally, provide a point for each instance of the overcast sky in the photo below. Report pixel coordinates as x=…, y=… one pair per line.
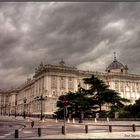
x=85, y=35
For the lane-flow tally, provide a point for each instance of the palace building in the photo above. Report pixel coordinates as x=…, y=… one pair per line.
x=51, y=81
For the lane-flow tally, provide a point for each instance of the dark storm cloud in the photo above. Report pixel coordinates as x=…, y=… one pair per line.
x=84, y=34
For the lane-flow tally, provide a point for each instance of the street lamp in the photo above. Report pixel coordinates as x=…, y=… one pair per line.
x=15, y=108
x=24, y=113
x=80, y=89
x=5, y=109
x=41, y=99
x=9, y=108
x=64, y=103
x=29, y=113
x=81, y=116
x=1, y=109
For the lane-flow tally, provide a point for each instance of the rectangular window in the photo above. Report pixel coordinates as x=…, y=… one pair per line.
x=62, y=83
x=70, y=84
x=137, y=86
x=116, y=86
x=53, y=82
x=121, y=87
x=133, y=87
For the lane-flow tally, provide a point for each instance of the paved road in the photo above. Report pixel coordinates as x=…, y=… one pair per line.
x=52, y=129
x=8, y=125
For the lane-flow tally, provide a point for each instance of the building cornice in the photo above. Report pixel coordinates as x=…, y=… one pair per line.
x=42, y=70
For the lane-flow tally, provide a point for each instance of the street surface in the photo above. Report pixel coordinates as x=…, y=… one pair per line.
x=50, y=128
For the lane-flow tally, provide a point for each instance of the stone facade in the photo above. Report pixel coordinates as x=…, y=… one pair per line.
x=51, y=81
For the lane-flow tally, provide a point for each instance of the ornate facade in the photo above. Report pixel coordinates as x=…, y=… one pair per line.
x=51, y=81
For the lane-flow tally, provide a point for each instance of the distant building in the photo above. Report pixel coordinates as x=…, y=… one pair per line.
x=55, y=80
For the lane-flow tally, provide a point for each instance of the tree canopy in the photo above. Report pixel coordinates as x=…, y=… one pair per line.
x=91, y=100
x=75, y=103
x=102, y=95
x=133, y=109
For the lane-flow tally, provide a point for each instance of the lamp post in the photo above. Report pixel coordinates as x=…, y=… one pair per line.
x=29, y=113
x=15, y=108
x=1, y=109
x=5, y=106
x=80, y=89
x=24, y=113
x=64, y=102
x=41, y=99
x=81, y=117
x=15, y=104
x=9, y=108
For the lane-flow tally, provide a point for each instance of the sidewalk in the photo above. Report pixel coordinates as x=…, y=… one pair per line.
x=104, y=135
x=19, y=118
x=73, y=132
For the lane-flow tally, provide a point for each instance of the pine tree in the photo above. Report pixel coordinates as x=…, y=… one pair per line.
x=78, y=104
x=88, y=101
x=101, y=94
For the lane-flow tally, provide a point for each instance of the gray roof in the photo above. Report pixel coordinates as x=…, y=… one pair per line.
x=115, y=65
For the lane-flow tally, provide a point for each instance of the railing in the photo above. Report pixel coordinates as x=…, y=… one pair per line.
x=34, y=130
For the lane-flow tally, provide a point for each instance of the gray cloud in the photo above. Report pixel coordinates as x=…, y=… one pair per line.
x=84, y=34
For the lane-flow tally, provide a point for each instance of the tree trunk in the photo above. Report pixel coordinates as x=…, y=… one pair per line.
x=100, y=110
x=81, y=116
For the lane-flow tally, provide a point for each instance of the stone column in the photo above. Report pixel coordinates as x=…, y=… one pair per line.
x=49, y=85
x=119, y=86
x=66, y=82
x=34, y=89
x=45, y=83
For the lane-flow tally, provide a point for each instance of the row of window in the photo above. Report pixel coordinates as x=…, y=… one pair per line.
x=133, y=86
x=62, y=82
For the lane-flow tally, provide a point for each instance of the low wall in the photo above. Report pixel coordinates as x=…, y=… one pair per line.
x=113, y=119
